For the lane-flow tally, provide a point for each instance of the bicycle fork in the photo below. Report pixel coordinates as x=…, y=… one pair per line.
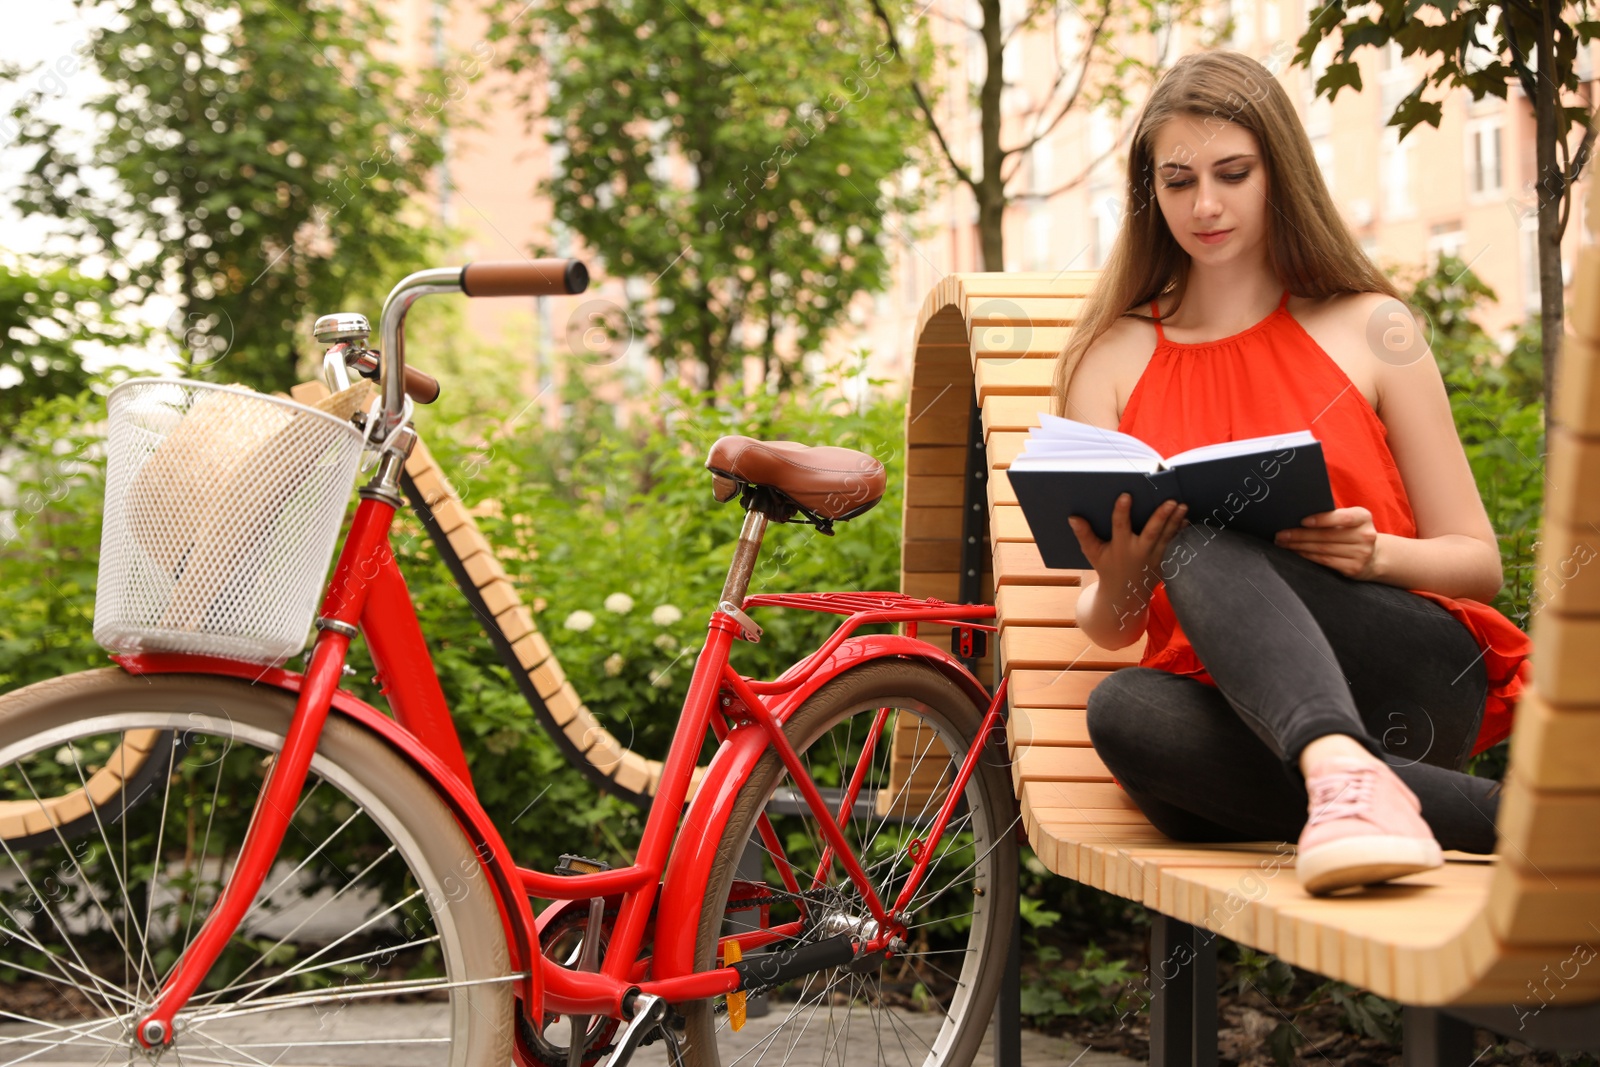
x=336, y=625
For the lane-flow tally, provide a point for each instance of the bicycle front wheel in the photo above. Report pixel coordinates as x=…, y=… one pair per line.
x=927, y=1004
x=374, y=940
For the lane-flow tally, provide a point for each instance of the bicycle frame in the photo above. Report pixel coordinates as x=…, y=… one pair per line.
x=368, y=595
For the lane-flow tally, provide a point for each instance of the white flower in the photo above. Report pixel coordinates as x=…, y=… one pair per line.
x=662, y=680
x=621, y=603
x=665, y=615
x=579, y=620
x=67, y=755
x=666, y=642
x=613, y=664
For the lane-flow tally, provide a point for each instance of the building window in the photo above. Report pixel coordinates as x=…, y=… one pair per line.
x=1041, y=168
x=1483, y=157
x=1244, y=22
x=1039, y=225
x=1396, y=165
x=1322, y=149
x=1107, y=208
x=1445, y=239
x=1529, y=241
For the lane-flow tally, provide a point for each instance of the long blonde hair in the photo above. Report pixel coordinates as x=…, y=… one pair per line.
x=1313, y=252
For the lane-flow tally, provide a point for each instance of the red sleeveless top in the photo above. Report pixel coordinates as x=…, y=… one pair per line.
x=1270, y=379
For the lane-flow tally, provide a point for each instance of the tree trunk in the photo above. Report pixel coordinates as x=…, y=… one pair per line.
x=990, y=189
x=1549, y=193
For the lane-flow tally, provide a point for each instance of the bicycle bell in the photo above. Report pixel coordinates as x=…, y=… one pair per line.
x=346, y=326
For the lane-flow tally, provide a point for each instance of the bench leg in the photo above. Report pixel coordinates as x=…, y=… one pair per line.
x=1183, y=1003
x=1008, y=1008
x=1434, y=1039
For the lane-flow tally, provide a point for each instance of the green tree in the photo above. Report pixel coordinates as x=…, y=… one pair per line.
x=741, y=158
x=46, y=316
x=1482, y=46
x=1091, y=73
x=250, y=157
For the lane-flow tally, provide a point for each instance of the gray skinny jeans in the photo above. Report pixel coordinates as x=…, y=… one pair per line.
x=1298, y=651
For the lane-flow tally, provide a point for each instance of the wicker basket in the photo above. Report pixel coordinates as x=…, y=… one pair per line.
x=222, y=508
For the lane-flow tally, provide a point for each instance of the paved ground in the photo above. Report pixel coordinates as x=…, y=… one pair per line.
x=364, y=1035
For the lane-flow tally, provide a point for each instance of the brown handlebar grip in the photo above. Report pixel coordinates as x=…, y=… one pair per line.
x=530, y=277
x=421, y=387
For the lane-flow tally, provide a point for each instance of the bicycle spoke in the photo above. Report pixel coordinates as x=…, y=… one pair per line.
x=155, y=871
x=88, y=886
x=263, y=957
x=319, y=996
x=60, y=929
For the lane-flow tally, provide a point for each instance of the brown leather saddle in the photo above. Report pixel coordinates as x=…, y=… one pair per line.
x=825, y=483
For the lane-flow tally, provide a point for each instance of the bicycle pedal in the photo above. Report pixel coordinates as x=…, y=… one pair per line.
x=570, y=865
x=649, y=1013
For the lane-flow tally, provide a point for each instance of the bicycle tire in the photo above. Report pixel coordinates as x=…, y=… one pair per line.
x=989, y=821
x=283, y=1002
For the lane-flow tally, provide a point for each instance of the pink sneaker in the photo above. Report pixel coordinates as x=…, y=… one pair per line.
x=1365, y=825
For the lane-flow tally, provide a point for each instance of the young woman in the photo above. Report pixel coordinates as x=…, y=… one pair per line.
x=1329, y=685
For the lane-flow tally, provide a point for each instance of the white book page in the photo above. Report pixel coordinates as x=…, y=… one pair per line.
x=1244, y=447
x=1071, y=445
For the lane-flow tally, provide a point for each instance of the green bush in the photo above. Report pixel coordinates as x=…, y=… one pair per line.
x=599, y=510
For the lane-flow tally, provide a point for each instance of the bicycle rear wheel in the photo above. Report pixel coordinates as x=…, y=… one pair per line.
x=929, y=1004
x=374, y=940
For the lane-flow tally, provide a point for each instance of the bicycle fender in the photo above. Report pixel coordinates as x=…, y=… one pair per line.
x=494, y=858
x=695, y=850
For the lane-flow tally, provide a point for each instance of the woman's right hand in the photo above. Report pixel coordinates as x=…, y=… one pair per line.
x=1125, y=557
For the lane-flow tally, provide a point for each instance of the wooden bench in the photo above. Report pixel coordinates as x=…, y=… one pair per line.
x=1501, y=942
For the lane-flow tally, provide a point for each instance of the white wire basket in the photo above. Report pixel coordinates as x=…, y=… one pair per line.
x=222, y=508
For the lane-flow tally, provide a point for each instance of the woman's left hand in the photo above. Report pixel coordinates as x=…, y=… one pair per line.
x=1343, y=539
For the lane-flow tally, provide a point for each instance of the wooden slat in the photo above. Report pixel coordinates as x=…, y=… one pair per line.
x=1074, y=795
x=1047, y=726
x=1567, y=580
x=1014, y=377
x=516, y=623
x=1565, y=667
x=1577, y=399
x=1054, y=688
x=1059, y=764
x=1007, y=523
x=1555, y=749
x=1027, y=342
x=1019, y=562
x=1004, y=448
x=936, y=459
x=938, y=416
x=936, y=490
x=919, y=555
x=933, y=524
x=1529, y=908
x=1573, y=478
x=1037, y=605
x=483, y=569
x=1551, y=832
x=1034, y=311
x=1016, y=414
x=1030, y=283
x=1045, y=647
x=1583, y=316
x=1000, y=491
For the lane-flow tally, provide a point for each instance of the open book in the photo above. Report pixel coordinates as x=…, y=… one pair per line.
x=1257, y=485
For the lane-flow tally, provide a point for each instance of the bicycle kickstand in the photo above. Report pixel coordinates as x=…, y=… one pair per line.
x=649, y=1012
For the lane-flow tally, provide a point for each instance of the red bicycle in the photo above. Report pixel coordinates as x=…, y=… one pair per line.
x=220, y=860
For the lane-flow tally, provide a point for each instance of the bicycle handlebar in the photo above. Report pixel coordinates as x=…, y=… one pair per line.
x=534, y=277
x=537, y=277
